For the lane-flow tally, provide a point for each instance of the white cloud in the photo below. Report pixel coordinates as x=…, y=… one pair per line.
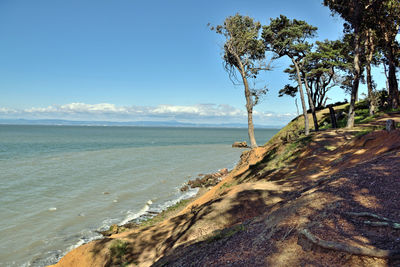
x=201, y=113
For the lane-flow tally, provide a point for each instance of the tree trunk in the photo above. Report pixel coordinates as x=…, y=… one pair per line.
x=370, y=48
x=252, y=138
x=386, y=75
x=249, y=102
x=303, y=102
x=333, y=117
x=356, y=81
x=371, y=96
x=393, y=86
x=249, y=107
x=390, y=38
x=311, y=103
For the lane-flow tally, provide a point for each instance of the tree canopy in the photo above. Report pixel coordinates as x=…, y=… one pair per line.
x=287, y=37
x=244, y=52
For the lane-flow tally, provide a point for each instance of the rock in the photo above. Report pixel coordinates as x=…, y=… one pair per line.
x=390, y=125
x=114, y=229
x=223, y=171
x=206, y=180
x=184, y=188
x=195, y=183
x=240, y=144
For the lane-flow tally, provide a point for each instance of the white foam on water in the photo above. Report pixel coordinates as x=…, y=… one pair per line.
x=188, y=194
x=52, y=209
x=134, y=215
x=89, y=235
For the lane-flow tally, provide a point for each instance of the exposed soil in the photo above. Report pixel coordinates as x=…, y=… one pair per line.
x=256, y=215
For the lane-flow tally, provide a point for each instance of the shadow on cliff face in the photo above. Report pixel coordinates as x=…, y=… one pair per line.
x=352, y=209
x=264, y=216
x=234, y=207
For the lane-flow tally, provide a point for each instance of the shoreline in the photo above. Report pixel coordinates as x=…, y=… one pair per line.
x=203, y=183
x=147, y=219
x=82, y=207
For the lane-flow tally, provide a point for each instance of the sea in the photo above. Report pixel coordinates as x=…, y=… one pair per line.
x=60, y=185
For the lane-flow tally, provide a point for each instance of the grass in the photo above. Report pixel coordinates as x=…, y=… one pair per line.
x=118, y=249
x=225, y=233
x=119, y=253
x=226, y=185
x=367, y=130
x=330, y=148
x=166, y=213
x=292, y=150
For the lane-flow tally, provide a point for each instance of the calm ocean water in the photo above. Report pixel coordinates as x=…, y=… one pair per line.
x=59, y=184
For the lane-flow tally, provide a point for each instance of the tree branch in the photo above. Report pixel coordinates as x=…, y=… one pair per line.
x=363, y=251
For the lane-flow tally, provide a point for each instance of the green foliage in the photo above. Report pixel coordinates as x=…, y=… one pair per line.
x=358, y=13
x=166, y=213
x=286, y=37
x=288, y=152
x=242, y=49
x=226, y=233
x=288, y=90
x=244, y=53
x=291, y=152
x=363, y=132
x=226, y=185
x=320, y=69
x=118, y=249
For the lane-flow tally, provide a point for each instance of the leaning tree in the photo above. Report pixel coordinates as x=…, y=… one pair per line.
x=287, y=37
x=244, y=53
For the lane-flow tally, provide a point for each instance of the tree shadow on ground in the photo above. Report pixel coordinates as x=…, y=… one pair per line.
x=323, y=205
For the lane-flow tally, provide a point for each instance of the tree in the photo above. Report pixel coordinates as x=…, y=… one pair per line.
x=356, y=13
x=370, y=44
x=244, y=52
x=320, y=71
x=287, y=37
x=388, y=14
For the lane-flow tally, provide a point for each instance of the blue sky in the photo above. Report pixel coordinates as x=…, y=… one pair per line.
x=127, y=60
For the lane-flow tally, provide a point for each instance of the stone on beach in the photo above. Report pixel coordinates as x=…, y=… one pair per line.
x=240, y=144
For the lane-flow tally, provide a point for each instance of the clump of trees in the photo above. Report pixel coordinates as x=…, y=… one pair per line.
x=376, y=24
x=369, y=40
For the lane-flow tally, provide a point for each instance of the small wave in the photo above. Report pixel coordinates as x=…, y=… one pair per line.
x=188, y=194
x=52, y=209
x=134, y=215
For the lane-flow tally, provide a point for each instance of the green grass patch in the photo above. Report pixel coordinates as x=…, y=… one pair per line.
x=226, y=185
x=367, y=130
x=291, y=151
x=118, y=248
x=330, y=148
x=225, y=233
x=166, y=213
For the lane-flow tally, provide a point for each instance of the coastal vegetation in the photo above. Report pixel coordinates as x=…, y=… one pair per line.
x=369, y=39
x=295, y=199
x=313, y=195
x=244, y=52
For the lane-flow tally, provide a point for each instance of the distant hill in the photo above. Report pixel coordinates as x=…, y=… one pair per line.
x=130, y=123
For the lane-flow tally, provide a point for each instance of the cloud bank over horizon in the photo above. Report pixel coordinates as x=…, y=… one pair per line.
x=200, y=113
